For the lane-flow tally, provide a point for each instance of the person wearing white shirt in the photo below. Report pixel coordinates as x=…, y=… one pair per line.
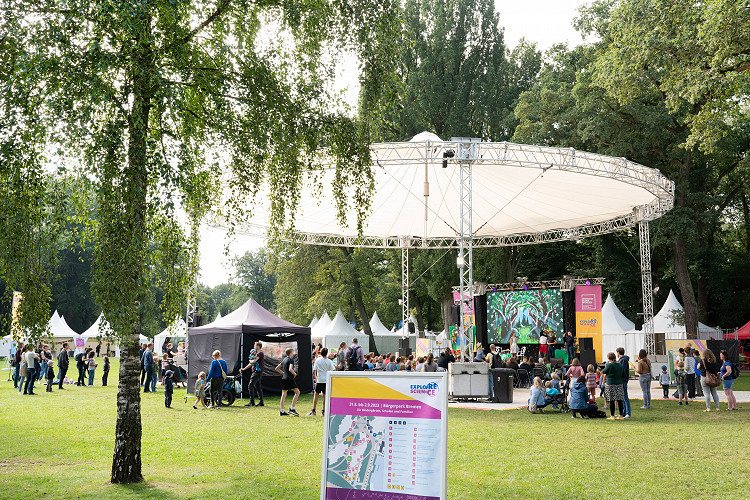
x=321, y=367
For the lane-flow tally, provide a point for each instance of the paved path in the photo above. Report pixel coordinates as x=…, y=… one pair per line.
x=520, y=396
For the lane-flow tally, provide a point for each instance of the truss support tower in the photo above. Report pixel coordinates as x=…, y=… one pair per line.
x=647, y=287
x=405, y=242
x=466, y=155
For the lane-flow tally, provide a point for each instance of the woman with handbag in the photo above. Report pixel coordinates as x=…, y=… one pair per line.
x=709, y=378
x=216, y=374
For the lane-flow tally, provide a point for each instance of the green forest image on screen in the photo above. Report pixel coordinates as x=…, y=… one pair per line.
x=523, y=313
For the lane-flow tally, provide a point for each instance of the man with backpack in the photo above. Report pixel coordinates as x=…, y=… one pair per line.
x=355, y=357
x=62, y=364
x=81, y=358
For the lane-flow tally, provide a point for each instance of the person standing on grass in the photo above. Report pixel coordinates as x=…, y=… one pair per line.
x=698, y=386
x=664, y=381
x=148, y=367
x=92, y=367
x=143, y=368
x=45, y=356
x=98, y=349
x=680, y=376
x=643, y=370
x=20, y=349
x=105, y=373
x=200, y=391
x=81, y=359
x=216, y=375
x=286, y=369
x=625, y=362
x=708, y=365
x=613, y=391
x=727, y=380
x=168, y=388
x=31, y=359
x=154, y=372
x=690, y=370
x=63, y=361
x=322, y=366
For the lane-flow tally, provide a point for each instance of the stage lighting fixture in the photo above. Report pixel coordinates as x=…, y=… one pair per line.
x=588, y=282
x=448, y=154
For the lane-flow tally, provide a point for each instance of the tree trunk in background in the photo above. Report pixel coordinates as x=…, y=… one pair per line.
x=680, y=255
x=746, y=213
x=512, y=259
x=418, y=312
x=359, y=303
x=445, y=309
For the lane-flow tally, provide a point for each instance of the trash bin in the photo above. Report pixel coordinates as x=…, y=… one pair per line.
x=502, y=385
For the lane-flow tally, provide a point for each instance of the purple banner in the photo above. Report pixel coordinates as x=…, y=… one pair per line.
x=345, y=494
x=383, y=408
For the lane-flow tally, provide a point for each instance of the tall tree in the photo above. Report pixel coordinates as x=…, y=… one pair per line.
x=143, y=93
x=254, y=274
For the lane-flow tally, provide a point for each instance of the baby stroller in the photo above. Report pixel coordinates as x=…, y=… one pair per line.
x=228, y=392
x=561, y=400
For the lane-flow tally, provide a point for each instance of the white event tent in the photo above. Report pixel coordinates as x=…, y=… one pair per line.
x=665, y=324
x=178, y=329
x=339, y=330
x=319, y=328
x=385, y=340
x=615, y=326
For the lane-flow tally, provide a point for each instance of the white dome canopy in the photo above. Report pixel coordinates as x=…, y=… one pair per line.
x=518, y=191
x=664, y=321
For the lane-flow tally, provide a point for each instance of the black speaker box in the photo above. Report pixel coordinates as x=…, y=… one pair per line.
x=403, y=347
x=455, y=315
x=639, y=322
x=412, y=328
x=585, y=343
x=588, y=357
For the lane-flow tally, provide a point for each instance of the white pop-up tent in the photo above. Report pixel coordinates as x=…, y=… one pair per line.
x=341, y=331
x=320, y=327
x=177, y=329
x=102, y=329
x=313, y=322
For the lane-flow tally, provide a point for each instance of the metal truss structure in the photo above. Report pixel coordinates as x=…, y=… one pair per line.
x=567, y=283
x=405, y=285
x=647, y=287
x=472, y=153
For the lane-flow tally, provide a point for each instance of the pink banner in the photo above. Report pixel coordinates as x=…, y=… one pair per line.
x=383, y=408
x=589, y=298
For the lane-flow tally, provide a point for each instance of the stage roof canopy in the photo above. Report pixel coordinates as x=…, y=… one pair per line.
x=521, y=195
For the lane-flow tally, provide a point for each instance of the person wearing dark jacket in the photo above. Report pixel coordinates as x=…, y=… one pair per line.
x=81, y=364
x=62, y=364
x=579, y=396
x=625, y=362
x=445, y=359
x=168, y=388
x=17, y=364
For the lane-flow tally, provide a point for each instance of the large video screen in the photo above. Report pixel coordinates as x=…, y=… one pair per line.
x=523, y=313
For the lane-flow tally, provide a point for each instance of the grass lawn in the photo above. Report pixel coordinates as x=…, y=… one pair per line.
x=60, y=445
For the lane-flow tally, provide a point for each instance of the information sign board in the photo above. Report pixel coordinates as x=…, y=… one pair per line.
x=385, y=436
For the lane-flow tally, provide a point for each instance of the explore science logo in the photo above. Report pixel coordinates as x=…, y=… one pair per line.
x=430, y=389
x=591, y=323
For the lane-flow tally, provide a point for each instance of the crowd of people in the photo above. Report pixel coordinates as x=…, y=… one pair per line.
x=37, y=364
x=696, y=374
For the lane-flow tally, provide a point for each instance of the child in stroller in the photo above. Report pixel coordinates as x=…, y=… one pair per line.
x=558, y=398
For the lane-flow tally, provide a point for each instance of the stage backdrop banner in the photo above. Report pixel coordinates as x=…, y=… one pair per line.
x=589, y=316
x=523, y=314
x=376, y=427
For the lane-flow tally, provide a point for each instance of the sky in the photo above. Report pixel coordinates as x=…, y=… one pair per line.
x=545, y=22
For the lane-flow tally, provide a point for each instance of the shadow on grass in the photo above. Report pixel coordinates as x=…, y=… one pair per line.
x=145, y=490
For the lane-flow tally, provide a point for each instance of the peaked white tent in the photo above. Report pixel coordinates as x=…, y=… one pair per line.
x=313, y=322
x=385, y=340
x=218, y=316
x=320, y=327
x=665, y=323
x=178, y=328
x=339, y=330
x=101, y=328
x=615, y=326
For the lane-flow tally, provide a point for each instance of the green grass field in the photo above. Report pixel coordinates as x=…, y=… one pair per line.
x=60, y=445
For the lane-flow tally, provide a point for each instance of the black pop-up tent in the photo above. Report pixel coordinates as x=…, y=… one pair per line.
x=235, y=335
